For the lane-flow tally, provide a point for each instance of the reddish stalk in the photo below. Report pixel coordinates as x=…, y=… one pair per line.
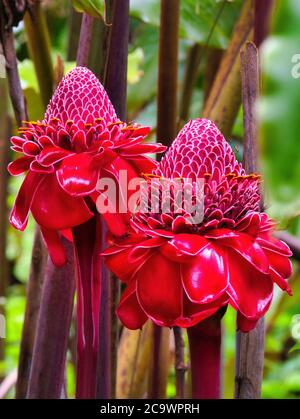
x=87, y=242
x=50, y=347
x=168, y=71
x=115, y=82
x=263, y=12
x=205, y=358
x=85, y=40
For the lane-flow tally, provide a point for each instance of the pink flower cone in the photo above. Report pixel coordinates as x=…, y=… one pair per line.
x=179, y=273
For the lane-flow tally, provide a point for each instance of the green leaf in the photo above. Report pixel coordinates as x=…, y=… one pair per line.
x=197, y=17
x=95, y=8
x=296, y=347
x=279, y=113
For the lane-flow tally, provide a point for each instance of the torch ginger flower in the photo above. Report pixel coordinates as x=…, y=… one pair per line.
x=178, y=273
x=79, y=140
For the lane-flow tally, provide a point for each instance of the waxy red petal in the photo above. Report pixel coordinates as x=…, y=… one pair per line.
x=244, y=324
x=77, y=176
x=52, y=154
x=24, y=199
x=20, y=165
x=250, y=290
x=129, y=310
x=55, y=247
x=186, y=245
x=205, y=277
x=160, y=295
x=53, y=208
x=247, y=247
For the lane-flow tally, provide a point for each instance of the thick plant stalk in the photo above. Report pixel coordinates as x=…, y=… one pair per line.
x=224, y=99
x=160, y=363
x=115, y=82
x=14, y=84
x=190, y=77
x=250, y=346
x=263, y=12
x=38, y=41
x=214, y=57
x=168, y=71
x=85, y=40
x=33, y=300
x=205, y=358
x=87, y=242
x=180, y=367
x=166, y=132
x=50, y=347
x=4, y=160
x=74, y=24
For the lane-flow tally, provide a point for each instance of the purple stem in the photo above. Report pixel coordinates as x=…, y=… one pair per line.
x=50, y=347
x=85, y=40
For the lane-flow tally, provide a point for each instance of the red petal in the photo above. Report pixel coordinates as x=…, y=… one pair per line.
x=55, y=247
x=54, y=209
x=245, y=325
x=281, y=282
x=20, y=165
x=205, y=278
x=184, y=246
x=77, y=176
x=281, y=264
x=250, y=290
x=275, y=245
x=119, y=264
x=129, y=310
x=159, y=290
x=247, y=247
x=139, y=149
x=23, y=202
x=52, y=155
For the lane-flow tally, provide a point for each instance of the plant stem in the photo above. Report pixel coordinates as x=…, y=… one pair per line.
x=50, y=347
x=190, y=77
x=225, y=96
x=87, y=241
x=160, y=364
x=205, y=358
x=5, y=127
x=168, y=71
x=115, y=80
x=85, y=40
x=14, y=84
x=38, y=40
x=74, y=24
x=33, y=298
x=180, y=367
x=263, y=12
x=250, y=346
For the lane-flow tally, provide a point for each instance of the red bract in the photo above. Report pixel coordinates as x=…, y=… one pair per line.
x=179, y=273
x=79, y=140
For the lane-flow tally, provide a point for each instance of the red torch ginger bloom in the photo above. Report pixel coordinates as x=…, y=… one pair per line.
x=79, y=140
x=179, y=273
